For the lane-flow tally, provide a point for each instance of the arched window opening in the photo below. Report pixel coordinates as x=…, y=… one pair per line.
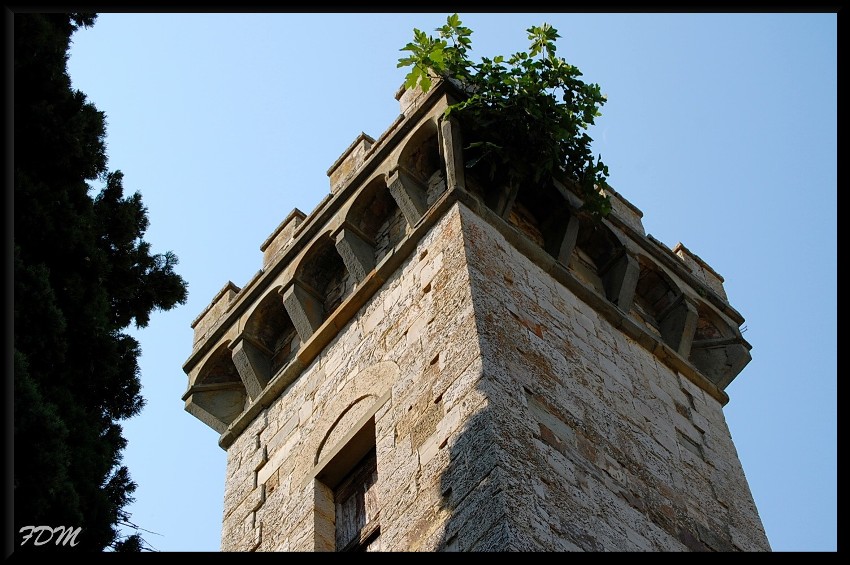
x=349, y=482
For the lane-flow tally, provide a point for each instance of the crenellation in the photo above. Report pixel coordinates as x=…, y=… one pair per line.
x=281, y=237
x=212, y=314
x=350, y=161
x=701, y=270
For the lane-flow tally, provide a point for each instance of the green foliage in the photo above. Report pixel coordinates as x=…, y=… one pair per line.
x=82, y=274
x=524, y=118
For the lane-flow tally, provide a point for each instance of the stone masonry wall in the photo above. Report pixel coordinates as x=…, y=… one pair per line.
x=601, y=447
x=412, y=344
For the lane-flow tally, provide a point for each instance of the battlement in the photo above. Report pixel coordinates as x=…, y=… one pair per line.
x=381, y=190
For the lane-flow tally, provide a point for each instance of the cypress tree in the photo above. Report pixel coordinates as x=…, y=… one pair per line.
x=82, y=274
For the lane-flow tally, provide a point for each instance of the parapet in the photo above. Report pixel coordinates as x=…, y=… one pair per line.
x=211, y=315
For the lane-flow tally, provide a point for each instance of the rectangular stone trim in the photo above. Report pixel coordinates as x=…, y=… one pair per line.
x=216, y=405
x=409, y=98
x=502, y=200
x=621, y=278
x=565, y=239
x=627, y=212
x=452, y=148
x=678, y=324
x=720, y=362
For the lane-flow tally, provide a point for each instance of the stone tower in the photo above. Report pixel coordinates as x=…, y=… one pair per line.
x=422, y=365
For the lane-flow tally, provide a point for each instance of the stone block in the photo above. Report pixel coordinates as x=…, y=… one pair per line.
x=281, y=237
x=350, y=161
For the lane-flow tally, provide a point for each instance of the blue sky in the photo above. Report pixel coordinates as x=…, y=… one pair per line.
x=721, y=128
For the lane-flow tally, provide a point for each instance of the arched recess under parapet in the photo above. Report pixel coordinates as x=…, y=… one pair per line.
x=323, y=270
x=319, y=284
x=600, y=258
x=421, y=153
x=418, y=177
x=376, y=217
x=271, y=329
x=218, y=395
x=718, y=349
x=547, y=218
x=663, y=308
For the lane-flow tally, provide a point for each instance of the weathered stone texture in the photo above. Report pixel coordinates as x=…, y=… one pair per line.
x=605, y=417
x=701, y=270
x=413, y=322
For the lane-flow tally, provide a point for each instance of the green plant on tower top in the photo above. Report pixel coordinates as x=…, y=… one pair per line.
x=524, y=118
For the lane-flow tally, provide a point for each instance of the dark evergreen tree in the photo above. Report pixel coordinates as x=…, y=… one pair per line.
x=82, y=274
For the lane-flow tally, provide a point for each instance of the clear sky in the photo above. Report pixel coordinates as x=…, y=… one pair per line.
x=721, y=128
